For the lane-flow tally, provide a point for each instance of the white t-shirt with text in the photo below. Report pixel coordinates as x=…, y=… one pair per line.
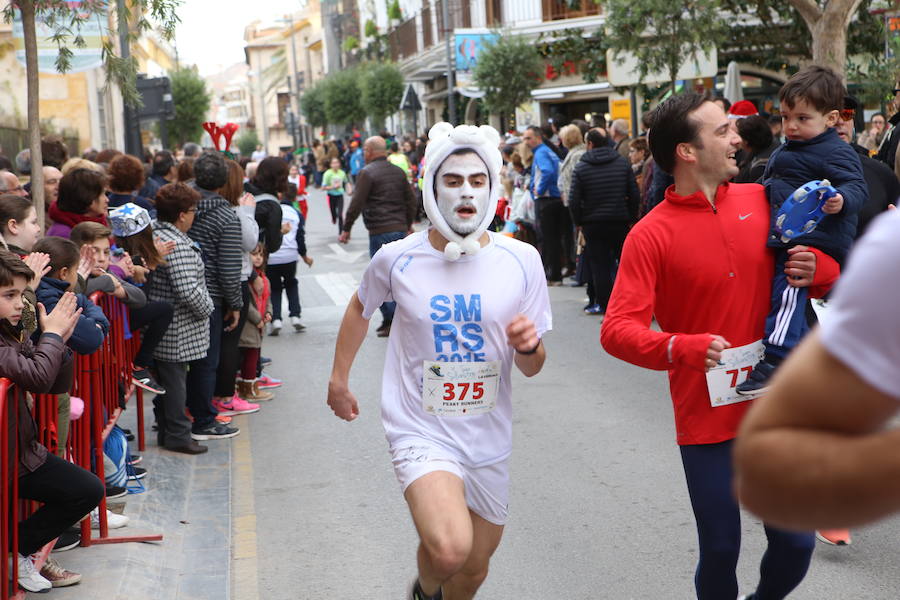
x=452, y=311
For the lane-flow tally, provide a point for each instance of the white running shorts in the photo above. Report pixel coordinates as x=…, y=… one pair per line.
x=486, y=488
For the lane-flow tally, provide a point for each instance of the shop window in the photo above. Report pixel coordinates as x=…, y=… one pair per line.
x=555, y=10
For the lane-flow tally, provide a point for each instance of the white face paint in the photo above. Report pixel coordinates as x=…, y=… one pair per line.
x=463, y=192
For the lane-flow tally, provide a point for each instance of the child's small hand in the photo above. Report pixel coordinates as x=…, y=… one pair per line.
x=62, y=318
x=285, y=228
x=39, y=263
x=247, y=199
x=87, y=261
x=833, y=205
x=267, y=318
x=307, y=260
x=139, y=274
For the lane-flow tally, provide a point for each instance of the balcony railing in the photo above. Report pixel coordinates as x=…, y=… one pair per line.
x=427, y=32
x=403, y=40
x=459, y=12
x=554, y=10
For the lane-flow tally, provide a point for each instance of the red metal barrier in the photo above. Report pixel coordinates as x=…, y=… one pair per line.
x=9, y=462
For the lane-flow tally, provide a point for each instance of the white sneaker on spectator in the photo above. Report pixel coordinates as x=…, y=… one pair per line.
x=113, y=520
x=29, y=578
x=298, y=326
x=275, y=327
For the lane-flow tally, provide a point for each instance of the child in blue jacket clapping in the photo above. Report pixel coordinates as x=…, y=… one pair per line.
x=65, y=257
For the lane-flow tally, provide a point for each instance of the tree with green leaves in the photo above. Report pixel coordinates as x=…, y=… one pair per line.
x=191, y=100
x=507, y=71
x=247, y=141
x=341, y=93
x=312, y=104
x=661, y=34
x=64, y=20
x=382, y=90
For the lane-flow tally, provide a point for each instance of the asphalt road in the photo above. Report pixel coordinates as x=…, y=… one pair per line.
x=599, y=508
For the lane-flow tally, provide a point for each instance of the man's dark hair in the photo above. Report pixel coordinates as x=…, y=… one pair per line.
x=106, y=155
x=756, y=132
x=63, y=253
x=596, y=138
x=173, y=199
x=163, y=161
x=271, y=175
x=647, y=119
x=12, y=266
x=673, y=125
x=191, y=149
x=536, y=131
x=395, y=147
x=726, y=103
x=5, y=163
x=820, y=87
x=774, y=119
x=88, y=231
x=210, y=172
x=54, y=152
x=79, y=188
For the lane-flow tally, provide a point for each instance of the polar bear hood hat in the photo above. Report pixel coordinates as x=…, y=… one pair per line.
x=443, y=140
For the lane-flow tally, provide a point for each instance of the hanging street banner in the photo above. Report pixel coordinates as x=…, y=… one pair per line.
x=92, y=31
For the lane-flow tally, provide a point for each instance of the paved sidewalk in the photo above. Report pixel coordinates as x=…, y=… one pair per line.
x=188, y=501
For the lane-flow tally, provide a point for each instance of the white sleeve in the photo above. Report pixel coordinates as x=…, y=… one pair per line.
x=536, y=301
x=862, y=328
x=375, y=287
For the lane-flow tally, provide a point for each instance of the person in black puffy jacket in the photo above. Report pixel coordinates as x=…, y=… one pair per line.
x=603, y=200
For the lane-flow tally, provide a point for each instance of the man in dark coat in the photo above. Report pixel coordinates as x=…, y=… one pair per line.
x=603, y=200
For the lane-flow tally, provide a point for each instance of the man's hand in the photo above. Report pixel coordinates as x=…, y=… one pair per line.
x=307, y=260
x=231, y=319
x=62, y=319
x=800, y=267
x=341, y=401
x=833, y=205
x=39, y=263
x=87, y=261
x=344, y=237
x=521, y=334
x=714, y=351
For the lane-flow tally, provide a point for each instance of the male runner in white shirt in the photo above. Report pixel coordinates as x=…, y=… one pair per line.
x=470, y=304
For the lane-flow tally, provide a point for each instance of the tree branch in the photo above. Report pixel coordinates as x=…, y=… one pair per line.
x=809, y=10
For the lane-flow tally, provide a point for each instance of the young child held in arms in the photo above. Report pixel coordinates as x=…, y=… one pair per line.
x=811, y=104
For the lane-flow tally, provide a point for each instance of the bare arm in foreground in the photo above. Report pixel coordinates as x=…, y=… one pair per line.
x=812, y=454
x=350, y=337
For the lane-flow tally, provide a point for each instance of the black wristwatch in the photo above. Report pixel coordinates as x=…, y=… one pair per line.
x=532, y=351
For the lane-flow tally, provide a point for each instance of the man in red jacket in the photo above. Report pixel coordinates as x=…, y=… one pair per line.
x=698, y=262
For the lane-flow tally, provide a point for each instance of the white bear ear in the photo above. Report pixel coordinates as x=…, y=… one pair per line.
x=440, y=130
x=490, y=134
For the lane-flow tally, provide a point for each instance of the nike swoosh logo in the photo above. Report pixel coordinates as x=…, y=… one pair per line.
x=743, y=217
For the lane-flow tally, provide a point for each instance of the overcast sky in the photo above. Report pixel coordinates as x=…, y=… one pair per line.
x=211, y=33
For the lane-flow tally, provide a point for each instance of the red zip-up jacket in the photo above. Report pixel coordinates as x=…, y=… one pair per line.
x=700, y=270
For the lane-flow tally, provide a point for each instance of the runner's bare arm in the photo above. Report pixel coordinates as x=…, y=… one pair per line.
x=350, y=337
x=812, y=454
x=530, y=354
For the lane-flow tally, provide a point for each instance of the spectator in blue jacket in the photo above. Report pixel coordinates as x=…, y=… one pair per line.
x=92, y=324
x=357, y=160
x=548, y=203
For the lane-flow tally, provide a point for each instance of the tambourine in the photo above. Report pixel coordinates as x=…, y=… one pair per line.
x=802, y=211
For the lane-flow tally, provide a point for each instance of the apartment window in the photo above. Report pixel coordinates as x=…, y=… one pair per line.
x=284, y=105
x=460, y=14
x=427, y=33
x=555, y=10
x=494, y=12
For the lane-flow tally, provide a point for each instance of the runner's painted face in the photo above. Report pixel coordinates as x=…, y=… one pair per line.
x=462, y=191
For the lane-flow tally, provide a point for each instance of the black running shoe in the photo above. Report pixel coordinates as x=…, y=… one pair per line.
x=115, y=491
x=67, y=540
x=215, y=431
x=142, y=378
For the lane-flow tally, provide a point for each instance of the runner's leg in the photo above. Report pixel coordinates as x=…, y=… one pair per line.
x=785, y=563
x=486, y=538
x=438, y=505
x=708, y=470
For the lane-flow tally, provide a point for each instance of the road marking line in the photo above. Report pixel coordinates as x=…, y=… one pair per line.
x=245, y=581
x=339, y=286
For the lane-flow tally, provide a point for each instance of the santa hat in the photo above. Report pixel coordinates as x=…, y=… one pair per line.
x=443, y=140
x=742, y=109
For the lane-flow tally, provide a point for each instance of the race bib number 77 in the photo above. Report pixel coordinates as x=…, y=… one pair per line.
x=735, y=366
x=459, y=389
